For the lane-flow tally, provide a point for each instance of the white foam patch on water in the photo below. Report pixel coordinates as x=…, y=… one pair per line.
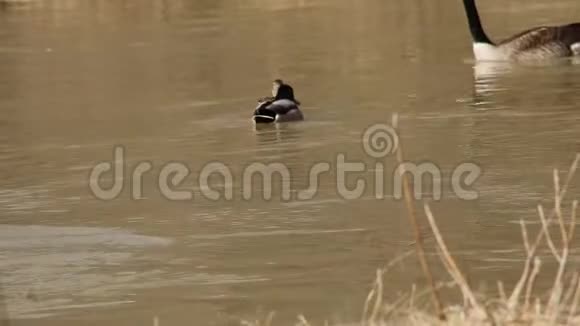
x=27, y=236
x=49, y=268
x=314, y=202
x=272, y=233
x=44, y=313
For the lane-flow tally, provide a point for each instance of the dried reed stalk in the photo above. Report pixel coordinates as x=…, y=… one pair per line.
x=408, y=197
x=451, y=266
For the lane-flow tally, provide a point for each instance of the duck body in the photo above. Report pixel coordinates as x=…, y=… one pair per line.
x=277, y=111
x=545, y=42
x=283, y=107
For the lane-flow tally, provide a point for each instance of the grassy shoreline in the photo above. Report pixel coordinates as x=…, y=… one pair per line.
x=523, y=305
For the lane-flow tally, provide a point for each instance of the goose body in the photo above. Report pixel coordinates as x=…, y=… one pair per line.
x=282, y=107
x=546, y=42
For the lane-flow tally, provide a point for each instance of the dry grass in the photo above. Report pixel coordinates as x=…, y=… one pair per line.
x=523, y=306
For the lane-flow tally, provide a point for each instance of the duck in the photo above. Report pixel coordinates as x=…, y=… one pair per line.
x=282, y=106
x=539, y=43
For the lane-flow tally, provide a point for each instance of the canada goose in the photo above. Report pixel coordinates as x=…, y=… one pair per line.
x=281, y=107
x=537, y=43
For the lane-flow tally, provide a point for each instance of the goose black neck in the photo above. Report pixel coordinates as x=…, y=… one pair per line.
x=477, y=32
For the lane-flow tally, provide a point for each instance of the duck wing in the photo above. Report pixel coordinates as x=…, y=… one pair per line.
x=281, y=106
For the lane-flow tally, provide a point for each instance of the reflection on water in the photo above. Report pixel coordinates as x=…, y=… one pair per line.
x=177, y=81
x=278, y=134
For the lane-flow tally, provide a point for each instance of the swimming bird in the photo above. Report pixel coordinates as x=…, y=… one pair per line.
x=281, y=107
x=545, y=42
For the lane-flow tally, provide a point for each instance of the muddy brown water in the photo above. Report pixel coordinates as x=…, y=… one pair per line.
x=176, y=81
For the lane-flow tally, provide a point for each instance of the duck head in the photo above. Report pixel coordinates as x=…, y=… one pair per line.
x=283, y=91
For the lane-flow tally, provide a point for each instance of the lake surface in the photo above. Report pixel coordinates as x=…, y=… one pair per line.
x=176, y=81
